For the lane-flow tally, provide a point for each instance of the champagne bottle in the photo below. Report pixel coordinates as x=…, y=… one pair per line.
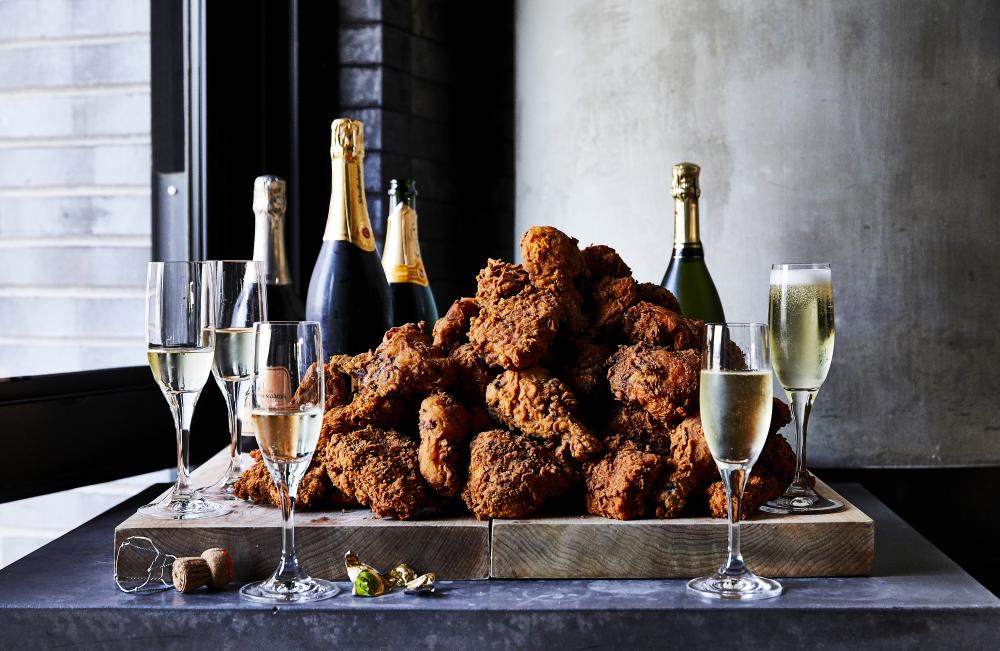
x=283, y=304
x=348, y=293
x=687, y=275
x=412, y=300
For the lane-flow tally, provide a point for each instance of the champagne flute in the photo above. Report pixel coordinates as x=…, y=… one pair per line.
x=735, y=397
x=800, y=313
x=180, y=344
x=239, y=303
x=287, y=414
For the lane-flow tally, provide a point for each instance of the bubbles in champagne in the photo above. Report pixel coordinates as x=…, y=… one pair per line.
x=800, y=315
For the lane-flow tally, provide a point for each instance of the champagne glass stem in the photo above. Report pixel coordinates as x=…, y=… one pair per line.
x=288, y=567
x=236, y=396
x=802, y=402
x=734, y=478
x=182, y=405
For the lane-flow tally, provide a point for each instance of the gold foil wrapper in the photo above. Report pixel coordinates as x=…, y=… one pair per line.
x=366, y=581
x=423, y=584
x=347, y=138
x=685, y=181
x=400, y=575
x=401, y=258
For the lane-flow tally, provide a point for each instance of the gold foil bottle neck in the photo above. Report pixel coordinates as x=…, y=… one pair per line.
x=685, y=183
x=347, y=138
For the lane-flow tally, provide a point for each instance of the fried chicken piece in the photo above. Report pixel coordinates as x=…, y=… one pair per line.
x=407, y=364
x=658, y=326
x=516, y=332
x=451, y=329
x=541, y=406
x=472, y=374
x=634, y=424
x=609, y=299
x=661, y=381
x=256, y=484
x=511, y=475
x=586, y=369
x=603, y=261
x=368, y=409
x=657, y=295
x=619, y=485
x=554, y=262
x=499, y=279
x=338, y=380
x=691, y=468
x=444, y=426
x=379, y=469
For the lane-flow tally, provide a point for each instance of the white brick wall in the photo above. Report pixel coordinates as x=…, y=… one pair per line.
x=74, y=214
x=74, y=183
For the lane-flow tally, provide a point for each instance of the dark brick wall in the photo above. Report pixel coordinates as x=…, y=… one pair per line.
x=433, y=81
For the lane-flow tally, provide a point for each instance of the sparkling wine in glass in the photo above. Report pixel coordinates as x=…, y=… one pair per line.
x=239, y=303
x=287, y=400
x=736, y=399
x=800, y=313
x=180, y=345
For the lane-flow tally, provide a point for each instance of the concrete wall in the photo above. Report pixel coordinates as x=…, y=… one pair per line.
x=865, y=134
x=74, y=184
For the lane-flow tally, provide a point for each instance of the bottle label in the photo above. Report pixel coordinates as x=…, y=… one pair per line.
x=401, y=258
x=348, y=217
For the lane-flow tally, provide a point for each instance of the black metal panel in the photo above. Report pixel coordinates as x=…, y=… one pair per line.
x=74, y=429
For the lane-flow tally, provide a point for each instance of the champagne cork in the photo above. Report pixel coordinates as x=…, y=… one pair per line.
x=213, y=568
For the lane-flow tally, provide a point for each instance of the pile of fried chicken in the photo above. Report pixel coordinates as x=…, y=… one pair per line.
x=563, y=380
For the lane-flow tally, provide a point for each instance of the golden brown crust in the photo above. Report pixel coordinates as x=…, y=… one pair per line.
x=554, y=263
x=661, y=381
x=658, y=326
x=620, y=484
x=657, y=295
x=472, y=374
x=444, y=427
x=691, y=467
x=499, y=280
x=541, y=406
x=608, y=300
x=406, y=364
x=511, y=475
x=451, y=329
x=602, y=261
x=379, y=469
x=516, y=332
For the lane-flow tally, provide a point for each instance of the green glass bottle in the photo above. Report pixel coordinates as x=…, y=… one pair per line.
x=687, y=275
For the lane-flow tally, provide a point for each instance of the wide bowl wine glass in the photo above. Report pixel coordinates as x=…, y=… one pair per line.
x=287, y=414
x=800, y=313
x=180, y=344
x=239, y=303
x=735, y=397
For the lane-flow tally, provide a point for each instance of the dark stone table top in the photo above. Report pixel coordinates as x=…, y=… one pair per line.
x=64, y=595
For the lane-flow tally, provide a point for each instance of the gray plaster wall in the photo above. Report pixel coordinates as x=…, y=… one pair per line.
x=865, y=134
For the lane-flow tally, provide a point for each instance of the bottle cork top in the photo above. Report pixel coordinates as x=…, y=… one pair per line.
x=685, y=183
x=269, y=194
x=347, y=138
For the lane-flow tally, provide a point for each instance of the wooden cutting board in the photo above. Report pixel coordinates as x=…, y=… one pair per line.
x=590, y=547
x=460, y=547
x=454, y=547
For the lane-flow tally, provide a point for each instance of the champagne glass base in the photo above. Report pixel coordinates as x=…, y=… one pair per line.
x=802, y=503
x=302, y=590
x=222, y=489
x=173, y=507
x=746, y=586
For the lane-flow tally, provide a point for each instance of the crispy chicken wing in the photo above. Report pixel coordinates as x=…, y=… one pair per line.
x=604, y=261
x=541, y=406
x=379, y=469
x=511, y=475
x=661, y=381
x=499, y=279
x=554, y=262
x=516, y=332
x=450, y=330
x=444, y=426
x=620, y=484
x=658, y=326
x=608, y=301
x=657, y=295
x=407, y=364
x=691, y=468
